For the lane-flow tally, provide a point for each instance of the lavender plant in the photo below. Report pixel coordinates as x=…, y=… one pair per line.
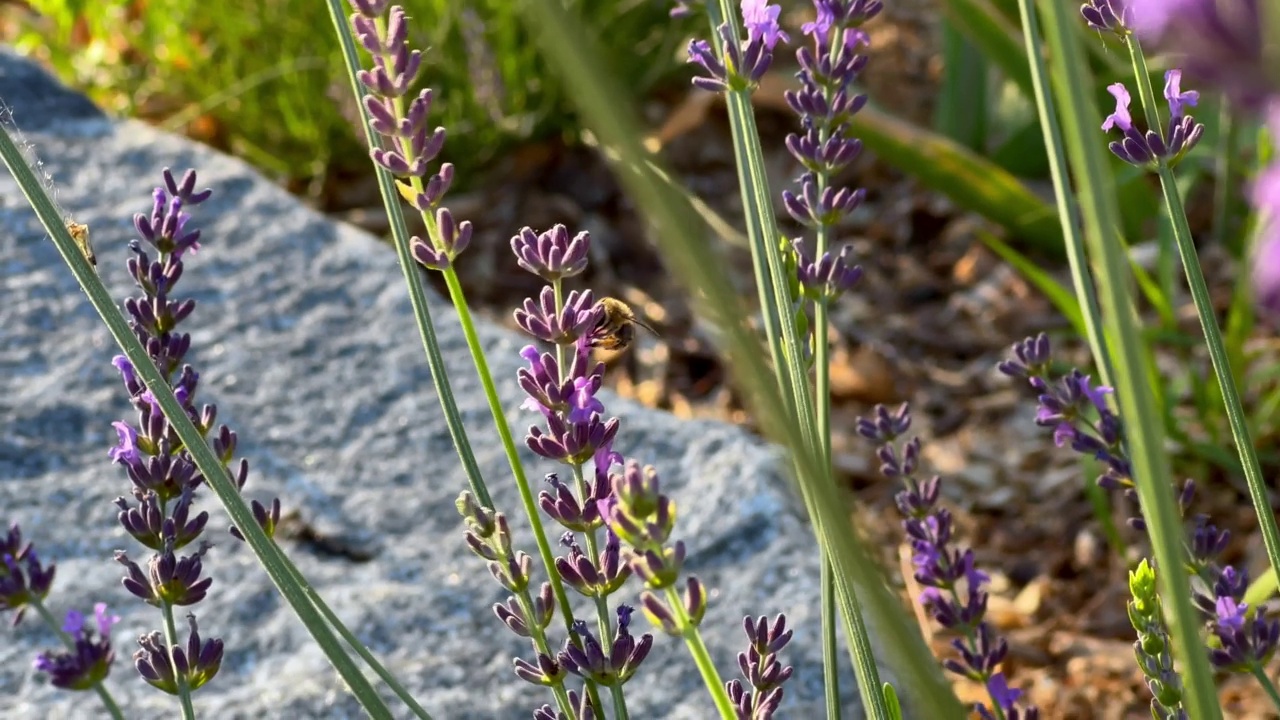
x=1240, y=640
x=954, y=594
x=618, y=523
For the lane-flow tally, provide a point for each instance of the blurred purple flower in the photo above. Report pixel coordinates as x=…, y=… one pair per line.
x=761, y=21
x=90, y=662
x=1219, y=43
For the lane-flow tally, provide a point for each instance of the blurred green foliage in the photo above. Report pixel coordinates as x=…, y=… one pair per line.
x=263, y=79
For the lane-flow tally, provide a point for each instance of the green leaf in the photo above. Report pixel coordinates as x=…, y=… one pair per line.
x=970, y=180
x=992, y=32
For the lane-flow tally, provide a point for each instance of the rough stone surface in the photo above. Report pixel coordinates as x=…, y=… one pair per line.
x=304, y=339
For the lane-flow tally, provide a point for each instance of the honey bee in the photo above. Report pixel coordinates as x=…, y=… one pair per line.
x=616, y=329
x=80, y=233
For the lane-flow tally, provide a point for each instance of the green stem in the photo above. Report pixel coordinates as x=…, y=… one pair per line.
x=508, y=442
x=830, y=650
x=1068, y=210
x=1222, y=368
x=822, y=400
x=105, y=695
x=701, y=658
x=1260, y=673
x=173, y=642
x=1213, y=336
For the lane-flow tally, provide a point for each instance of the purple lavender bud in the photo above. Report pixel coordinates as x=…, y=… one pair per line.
x=659, y=614
x=551, y=255
x=563, y=507
x=580, y=704
x=1113, y=16
x=638, y=489
x=1247, y=644
x=767, y=640
x=575, y=318
x=546, y=673
x=585, y=576
x=428, y=256
x=701, y=53
x=885, y=426
x=512, y=616
x=658, y=569
x=149, y=526
x=185, y=189
x=23, y=579
x=197, y=663
x=695, y=600
x=590, y=661
x=827, y=277
x=1030, y=358
x=454, y=237
x=170, y=580
x=395, y=66
x=90, y=662
x=165, y=229
x=1143, y=149
x=266, y=517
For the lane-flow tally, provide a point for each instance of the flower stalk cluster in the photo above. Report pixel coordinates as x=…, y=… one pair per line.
x=1240, y=640
x=409, y=145
x=163, y=474
x=562, y=386
x=954, y=592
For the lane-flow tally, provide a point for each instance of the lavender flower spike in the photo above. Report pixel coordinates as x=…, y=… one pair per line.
x=1146, y=149
x=761, y=669
x=954, y=594
x=91, y=660
x=407, y=145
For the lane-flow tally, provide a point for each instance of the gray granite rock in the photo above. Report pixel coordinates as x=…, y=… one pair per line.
x=305, y=340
